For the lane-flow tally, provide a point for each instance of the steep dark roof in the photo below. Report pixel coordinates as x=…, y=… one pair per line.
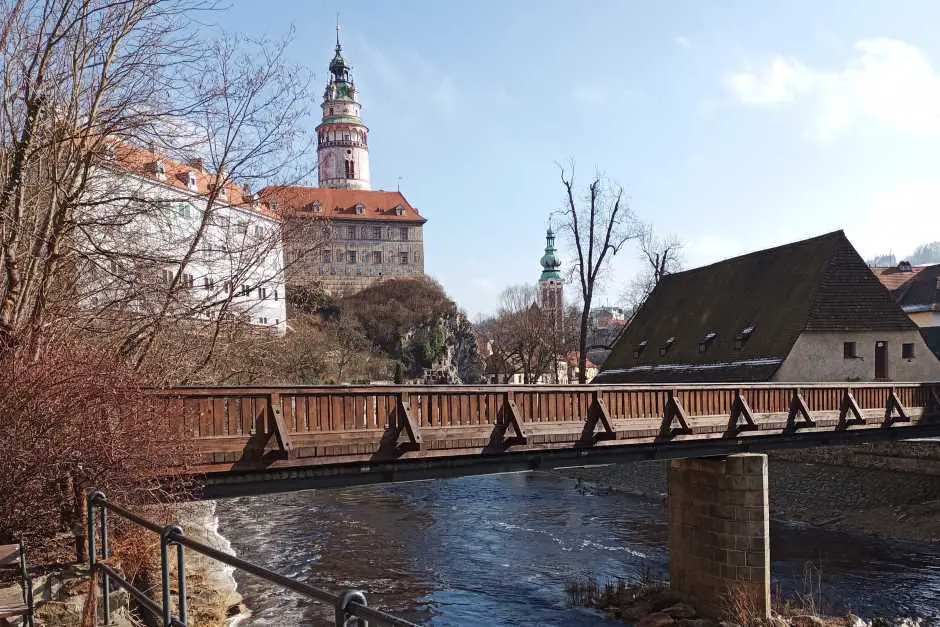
x=816, y=285
x=920, y=293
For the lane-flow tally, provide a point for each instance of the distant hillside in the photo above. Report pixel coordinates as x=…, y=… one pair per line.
x=923, y=255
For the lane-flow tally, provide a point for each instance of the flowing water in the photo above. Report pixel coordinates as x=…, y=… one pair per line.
x=499, y=549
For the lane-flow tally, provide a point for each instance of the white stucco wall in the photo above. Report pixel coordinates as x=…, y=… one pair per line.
x=819, y=357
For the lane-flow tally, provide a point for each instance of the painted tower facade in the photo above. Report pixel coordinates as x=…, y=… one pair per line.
x=342, y=138
x=551, y=288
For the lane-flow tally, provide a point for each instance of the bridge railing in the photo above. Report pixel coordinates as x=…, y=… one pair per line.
x=349, y=605
x=244, y=411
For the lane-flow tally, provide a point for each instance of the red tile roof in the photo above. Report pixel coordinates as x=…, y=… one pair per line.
x=340, y=204
x=893, y=278
x=143, y=162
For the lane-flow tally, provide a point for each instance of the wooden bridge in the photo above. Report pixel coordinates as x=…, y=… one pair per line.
x=247, y=440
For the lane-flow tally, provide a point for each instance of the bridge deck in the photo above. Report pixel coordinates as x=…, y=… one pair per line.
x=252, y=439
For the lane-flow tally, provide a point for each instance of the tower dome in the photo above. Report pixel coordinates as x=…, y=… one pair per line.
x=549, y=261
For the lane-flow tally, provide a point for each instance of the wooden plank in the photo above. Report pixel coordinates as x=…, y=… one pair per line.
x=233, y=414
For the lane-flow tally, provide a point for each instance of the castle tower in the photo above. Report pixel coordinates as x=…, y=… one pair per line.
x=342, y=138
x=551, y=288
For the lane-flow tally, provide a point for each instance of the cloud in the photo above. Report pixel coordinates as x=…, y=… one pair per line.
x=682, y=42
x=886, y=81
x=885, y=225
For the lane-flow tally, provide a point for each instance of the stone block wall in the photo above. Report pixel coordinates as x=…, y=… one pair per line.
x=719, y=532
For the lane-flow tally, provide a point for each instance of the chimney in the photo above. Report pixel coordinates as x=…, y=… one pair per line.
x=195, y=162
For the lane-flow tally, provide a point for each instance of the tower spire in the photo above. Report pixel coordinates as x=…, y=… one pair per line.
x=338, y=46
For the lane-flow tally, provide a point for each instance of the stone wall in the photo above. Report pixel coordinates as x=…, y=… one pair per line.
x=916, y=457
x=719, y=532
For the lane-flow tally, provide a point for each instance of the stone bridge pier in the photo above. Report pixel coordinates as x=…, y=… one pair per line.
x=719, y=532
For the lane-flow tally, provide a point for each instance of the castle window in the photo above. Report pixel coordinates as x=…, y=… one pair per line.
x=399, y=210
x=331, y=110
x=403, y=231
x=350, y=232
x=346, y=136
x=350, y=256
x=403, y=258
x=360, y=209
x=376, y=232
x=377, y=257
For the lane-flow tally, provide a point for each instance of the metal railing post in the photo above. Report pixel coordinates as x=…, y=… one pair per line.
x=182, y=605
x=105, y=554
x=347, y=597
x=165, y=540
x=93, y=496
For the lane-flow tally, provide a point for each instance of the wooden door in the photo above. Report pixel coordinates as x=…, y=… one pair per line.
x=881, y=361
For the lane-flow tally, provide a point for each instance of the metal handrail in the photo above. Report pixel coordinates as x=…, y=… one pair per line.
x=349, y=604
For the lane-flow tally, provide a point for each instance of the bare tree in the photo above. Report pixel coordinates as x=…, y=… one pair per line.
x=88, y=243
x=661, y=257
x=598, y=224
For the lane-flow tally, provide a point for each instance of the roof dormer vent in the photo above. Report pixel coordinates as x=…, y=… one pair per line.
x=905, y=266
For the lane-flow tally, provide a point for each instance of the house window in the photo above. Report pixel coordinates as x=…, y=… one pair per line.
x=223, y=193
x=350, y=256
x=327, y=256
x=360, y=209
x=741, y=338
x=665, y=347
x=376, y=232
x=364, y=233
x=639, y=349
x=246, y=290
x=191, y=181
x=208, y=282
x=706, y=341
x=241, y=228
x=262, y=293
x=160, y=171
x=403, y=258
x=350, y=232
x=907, y=351
x=377, y=257
x=849, y=350
x=403, y=231
x=167, y=276
x=316, y=207
x=183, y=209
x=399, y=210
x=275, y=295
x=188, y=280
x=262, y=320
x=259, y=231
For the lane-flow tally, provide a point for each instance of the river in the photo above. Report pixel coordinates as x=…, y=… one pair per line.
x=499, y=549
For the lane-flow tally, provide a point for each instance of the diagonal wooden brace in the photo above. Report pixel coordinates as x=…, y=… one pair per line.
x=675, y=419
x=894, y=405
x=933, y=403
x=850, y=406
x=406, y=423
x=277, y=425
x=799, y=409
x=510, y=418
x=598, y=415
x=740, y=409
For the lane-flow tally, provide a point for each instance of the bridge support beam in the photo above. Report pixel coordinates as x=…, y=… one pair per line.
x=719, y=533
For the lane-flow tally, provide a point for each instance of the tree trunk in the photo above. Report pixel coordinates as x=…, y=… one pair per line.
x=582, y=341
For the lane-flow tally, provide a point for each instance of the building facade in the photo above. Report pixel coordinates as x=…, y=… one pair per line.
x=152, y=229
x=917, y=290
x=807, y=311
x=363, y=235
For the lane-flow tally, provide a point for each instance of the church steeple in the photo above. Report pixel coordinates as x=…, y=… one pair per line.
x=551, y=287
x=342, y=138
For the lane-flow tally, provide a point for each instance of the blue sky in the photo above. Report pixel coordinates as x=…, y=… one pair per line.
x=735, y=125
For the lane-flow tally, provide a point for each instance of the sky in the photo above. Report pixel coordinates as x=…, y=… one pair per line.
x=734, y=125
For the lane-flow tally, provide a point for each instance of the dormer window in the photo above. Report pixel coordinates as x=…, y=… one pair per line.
x=905, y=266
x=639, y=349
x=360, y=209
x=315, y=207
x=399, y=210
x=223, y=193
x=741, y=338
x=191, y=181
x=706, y=341
x=109, y=153
x=665, y=347
x=160, y=171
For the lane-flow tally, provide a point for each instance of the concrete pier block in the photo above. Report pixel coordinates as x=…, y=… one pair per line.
x=719, y=533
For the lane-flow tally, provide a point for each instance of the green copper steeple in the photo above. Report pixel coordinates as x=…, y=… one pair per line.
x=549, y=261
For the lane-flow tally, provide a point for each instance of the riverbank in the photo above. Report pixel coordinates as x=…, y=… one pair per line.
x=871, y=501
